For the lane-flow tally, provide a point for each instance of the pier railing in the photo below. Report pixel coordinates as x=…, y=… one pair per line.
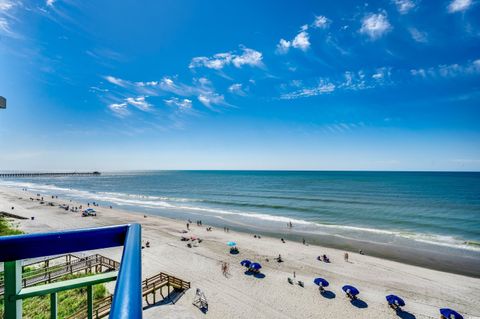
x=127, y=298
x=25, y=174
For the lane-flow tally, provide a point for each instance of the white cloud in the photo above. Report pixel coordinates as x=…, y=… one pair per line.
x=211, y=99
x=375, y=25
x=418, y=36
x=283, y=46
x=459, y=5
x=301, y=41
x=182, y=104
x=6, y=5
x=218, y=61
x=139, y=102
x=322, y=88
x=50, y=2
x=116, y=81
x=119, y=108
x=236, y=88
x=404, y=6
x=249, y=57
x=448, y=70
x=321, y=22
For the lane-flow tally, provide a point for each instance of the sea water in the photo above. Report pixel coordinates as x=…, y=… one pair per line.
x=439, y=209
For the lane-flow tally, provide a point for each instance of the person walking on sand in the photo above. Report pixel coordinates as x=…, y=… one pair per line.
x=188, y=226
x=345, y=256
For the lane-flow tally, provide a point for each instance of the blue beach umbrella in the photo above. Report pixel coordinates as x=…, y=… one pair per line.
x=231, y=243
x=255, y=266
x=350, y=290
x=246, y=263
x=395, y=300
x=450, y=314
x=321, y=282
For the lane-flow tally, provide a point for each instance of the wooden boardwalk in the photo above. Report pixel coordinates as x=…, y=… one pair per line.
x=73, y=264
x=51, y=174
x=150, y=287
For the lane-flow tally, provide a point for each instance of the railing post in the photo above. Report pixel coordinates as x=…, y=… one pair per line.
x=13, y=285
x=53, y=306
x=89, y=302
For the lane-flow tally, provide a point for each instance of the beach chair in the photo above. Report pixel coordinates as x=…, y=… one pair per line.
x=301, y=284
x=200, y=300
x=290, y=281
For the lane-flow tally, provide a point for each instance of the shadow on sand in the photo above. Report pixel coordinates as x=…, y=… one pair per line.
x=171, y=298
x=359, y=303
x=405, y=314
x=328, y=294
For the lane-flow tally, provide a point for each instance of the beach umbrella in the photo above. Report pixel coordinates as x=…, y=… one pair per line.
x=246, y=263
x=395, y=300
x=450, y=314
x=350, y=290
x=321, y=282
x=255, y=266
x=193, y=238
x=231, y=243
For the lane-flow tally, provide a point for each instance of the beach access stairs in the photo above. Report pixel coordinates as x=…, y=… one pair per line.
x=150, y=287
x=50, y=269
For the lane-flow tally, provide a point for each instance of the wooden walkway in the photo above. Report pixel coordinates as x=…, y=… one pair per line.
x=150, y=287
x=73, y=264
x=51, y=174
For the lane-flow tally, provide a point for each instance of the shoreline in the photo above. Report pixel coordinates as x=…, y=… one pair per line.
x=240, y=296
x=439, y=259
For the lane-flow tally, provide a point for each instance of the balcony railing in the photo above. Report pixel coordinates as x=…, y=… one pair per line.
x=127, y=298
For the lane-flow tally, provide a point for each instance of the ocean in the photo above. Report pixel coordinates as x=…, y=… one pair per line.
x=435, y=211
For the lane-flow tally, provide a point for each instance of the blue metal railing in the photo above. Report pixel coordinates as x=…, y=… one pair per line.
x=127, y=301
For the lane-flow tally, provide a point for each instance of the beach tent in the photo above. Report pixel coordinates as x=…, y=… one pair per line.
x=321, y=282
x=395, y=301
x=450, y=314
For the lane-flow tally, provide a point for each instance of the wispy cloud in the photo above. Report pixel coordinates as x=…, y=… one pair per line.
x=237, y=88
x=300, y=41
x=119, y=109
x=459, y=5
x=7, y=10
x=448, y=70
x=321, y=22
x=323, y=87
x=139, y=102
x=248, y=57
x=375, y=25
x=418, y=36
x=116, y=81
x=182, y=105
x=349, y=81
x=404, y=6
x=50, y=2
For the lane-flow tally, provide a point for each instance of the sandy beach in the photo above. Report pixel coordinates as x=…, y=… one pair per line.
x=241, y=296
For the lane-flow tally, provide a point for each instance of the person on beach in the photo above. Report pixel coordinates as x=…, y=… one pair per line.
x=303, y=241
x=283, y=240
x=345, y=256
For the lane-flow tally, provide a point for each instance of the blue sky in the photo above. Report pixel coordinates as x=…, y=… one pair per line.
x=112, y=85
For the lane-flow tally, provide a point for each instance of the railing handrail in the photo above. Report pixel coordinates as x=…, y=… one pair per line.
x=127, y=300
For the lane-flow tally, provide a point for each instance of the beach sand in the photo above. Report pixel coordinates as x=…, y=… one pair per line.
x=242, y=296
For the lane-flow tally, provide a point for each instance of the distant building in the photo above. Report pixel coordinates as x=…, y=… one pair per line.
x=3, y=102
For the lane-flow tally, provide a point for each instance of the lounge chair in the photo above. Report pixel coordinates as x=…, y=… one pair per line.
x=301, y=284
x=290, y=281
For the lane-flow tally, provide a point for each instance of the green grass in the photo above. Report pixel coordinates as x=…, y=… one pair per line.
x=69, y=302
x=7, y=229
